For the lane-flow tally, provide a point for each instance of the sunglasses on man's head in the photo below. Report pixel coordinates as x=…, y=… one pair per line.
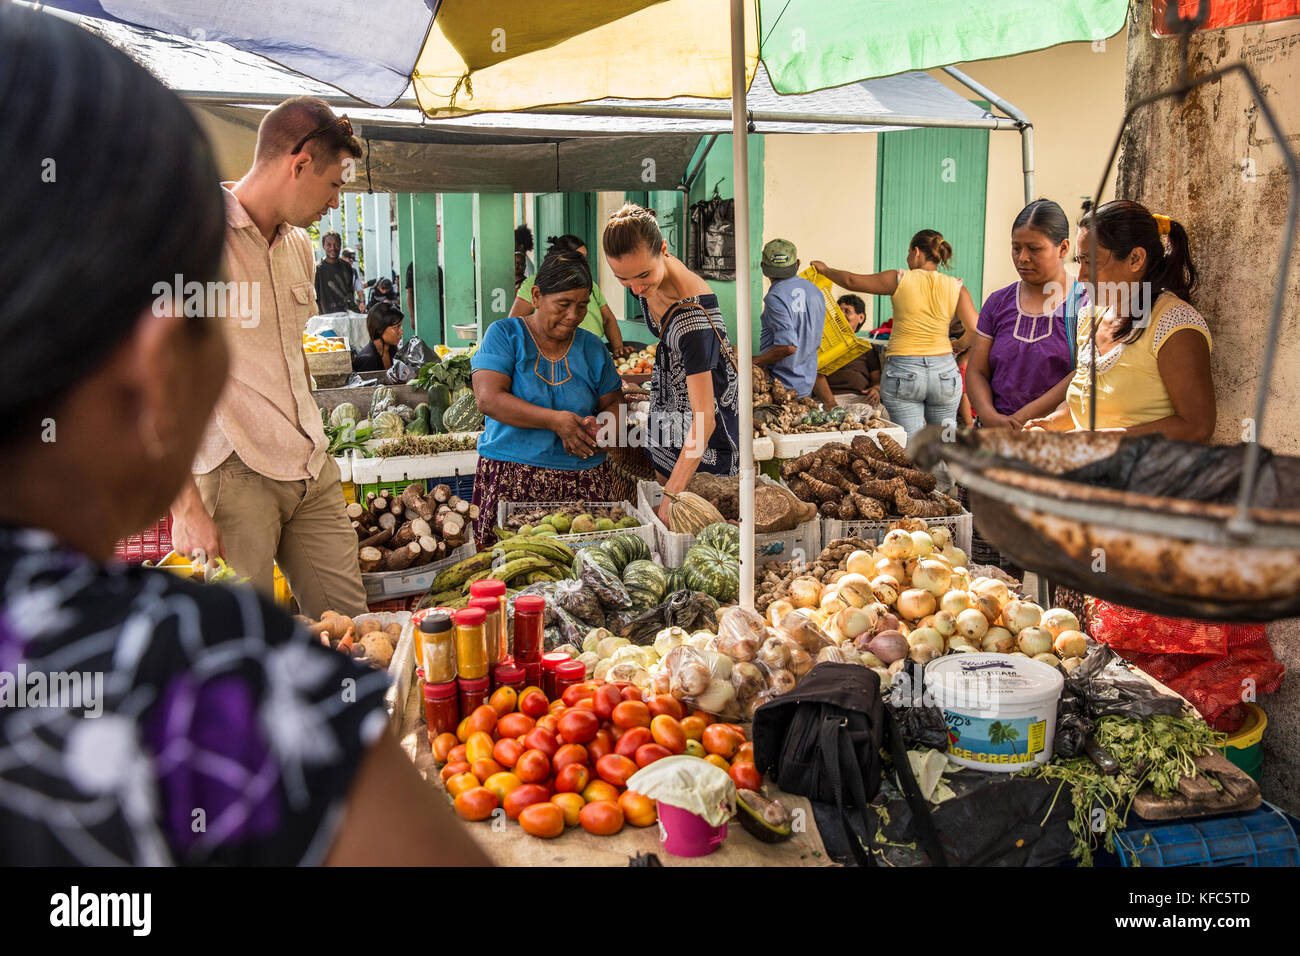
x=342, y=122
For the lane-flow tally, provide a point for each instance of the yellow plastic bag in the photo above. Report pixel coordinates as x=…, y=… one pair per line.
x=839, y=345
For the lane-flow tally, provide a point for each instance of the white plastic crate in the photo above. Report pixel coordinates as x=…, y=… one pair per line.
x=382, y=585
x=792, y=446
x=344, y=462
x=506, y=508
x=412, y=467
x=779, y=546
x=960, y=525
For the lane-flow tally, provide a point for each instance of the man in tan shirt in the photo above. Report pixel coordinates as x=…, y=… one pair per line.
x=265, y=488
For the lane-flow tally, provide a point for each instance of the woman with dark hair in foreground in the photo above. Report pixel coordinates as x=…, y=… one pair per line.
x=160, y=721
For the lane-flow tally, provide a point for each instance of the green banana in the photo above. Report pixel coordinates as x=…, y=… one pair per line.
x=453, y=577
x=503, y=534
x=550, y=548
x=476, y=576
x=540, y=577
x=443, y=598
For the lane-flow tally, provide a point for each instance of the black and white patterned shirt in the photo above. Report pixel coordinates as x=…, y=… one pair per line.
x=150, y=720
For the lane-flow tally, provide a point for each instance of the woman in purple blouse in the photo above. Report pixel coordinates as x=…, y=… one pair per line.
x=1018, y=369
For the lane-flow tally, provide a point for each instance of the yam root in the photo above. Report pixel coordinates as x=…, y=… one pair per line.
x=835, y=456
x=402, y=558
x=355, y=511
x=473, y=512
x=379, y=505
x=388, y=521
x=911, y=508
x=848, y=511
x=865, y=448
x=799, y=488
x=369, y=558
x=951, y=505
x=865, y=470
x=895, y=452
x=441, y=493
x=461, y=507
x=413, y=498
x=881, y=490
x=868, y=508
x=821, y=490
x=830, y=509
x=413, y=530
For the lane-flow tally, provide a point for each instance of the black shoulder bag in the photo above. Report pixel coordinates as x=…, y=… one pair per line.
x=822, y=740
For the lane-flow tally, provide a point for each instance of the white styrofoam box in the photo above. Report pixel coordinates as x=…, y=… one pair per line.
x=643, y=531
x=367, y=471
x=764, y=449
x=381, y=585
x=792, y=446
x=961, y=526
x=670, y=545
x=345, y=465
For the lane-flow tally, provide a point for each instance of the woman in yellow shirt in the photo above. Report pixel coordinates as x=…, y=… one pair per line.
x=921, y=384
x=1153, y=370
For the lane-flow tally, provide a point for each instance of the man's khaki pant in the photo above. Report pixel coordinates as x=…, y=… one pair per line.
x=300, y=525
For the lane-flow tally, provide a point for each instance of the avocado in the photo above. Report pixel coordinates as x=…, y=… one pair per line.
x=560, y=522
x=765, y=819
x=583, y=524
x=525, y=531
x=604, y=524
x=628, y=522
x=544, y=529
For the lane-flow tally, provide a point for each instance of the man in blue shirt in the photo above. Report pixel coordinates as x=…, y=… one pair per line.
x=794, y=312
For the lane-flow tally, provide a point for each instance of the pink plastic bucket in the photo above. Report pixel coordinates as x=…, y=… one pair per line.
x=688, y=834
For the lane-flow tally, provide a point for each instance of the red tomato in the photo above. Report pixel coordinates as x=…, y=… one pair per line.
x=460, y=783
x=544, y=820
x=746, y=776
x=615, y=769
x=572, y=779
x=503, y=700
x=506, y=752
x=667, y=704
x=603, y=744
x=607, y=698
x=579, y=726
x=502, y=784
x=443, y=745
x=515, y=725
x=557, y=707
x=632, y=739
x=524, y=796
x=533, y=766
x=457, y=754
x=571, y=804
x=569, y=753
x=738, y=729
x=620, y=684
x=548, y=722
x=631, y=692
x=578, y=692
x=745, y=754
x=600, y=790
x=722, y=740
x=485, y=768
x=649, y=753
x=668, y=733
x=533, y=702
x=478, y=747
x=539, y=738
x=693, y=726
x=463, y=731
x=476, y=803
x=483, y=720
x=452, y=769
x=587, y=703
x=603, y=818
x=632, y=713
x=638, y=809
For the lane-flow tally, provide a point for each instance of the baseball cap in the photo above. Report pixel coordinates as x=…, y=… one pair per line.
x=348, y=254
x=780, y=259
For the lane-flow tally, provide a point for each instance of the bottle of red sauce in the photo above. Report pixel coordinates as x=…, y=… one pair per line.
x=527, y=647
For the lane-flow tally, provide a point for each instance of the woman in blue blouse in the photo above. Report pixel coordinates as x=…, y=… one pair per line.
x=541, y=381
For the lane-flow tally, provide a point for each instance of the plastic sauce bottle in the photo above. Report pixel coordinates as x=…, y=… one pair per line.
x=471, y=644
x=528, y=636
x=494, y=589
x=441, y=710
x=491, y=609
x=509, y=674
x=568, y=674
x=549, y=663
x=473, y=693
x=438, y=647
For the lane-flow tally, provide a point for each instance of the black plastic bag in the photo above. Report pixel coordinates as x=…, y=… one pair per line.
x=410, y=357
x=689, y=610
x=713, y=239
x=921, y=725
x=1106, y=685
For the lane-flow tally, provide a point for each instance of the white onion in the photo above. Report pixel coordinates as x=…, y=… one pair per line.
x=956, y=555
x=1048, y=658
x=1034, y=641
x=853, y=621
x=1058, y=619
x=945, y=622
x=922, y=544
x=1070, y=644
x=916, y=603
x=941, y=536
x=992, y=586
x=885, y=675
x=987, y=605
x=869, y=659
x=927, y=635
x=832, y=603
x=933, y=577
x=954, y=602
x=805, y=592
x=898, y=545
x=960, y=578
x=861, y=562
x=972, y=625
x=1018, y=615
x=855, y=590
x=892, y=568
x=778, y=610
x=998, y=640
x=923, y=653
x=959, y=645
x=886, y=589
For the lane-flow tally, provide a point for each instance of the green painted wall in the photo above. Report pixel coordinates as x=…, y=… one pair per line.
x=457, y=263
x=932, y=179
x=494, y=261
x=423, y=218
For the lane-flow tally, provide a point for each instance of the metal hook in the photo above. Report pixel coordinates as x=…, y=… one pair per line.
x=1175, y=22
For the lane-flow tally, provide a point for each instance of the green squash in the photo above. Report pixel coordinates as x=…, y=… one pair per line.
x=463, y=415
x=646, y=583
x=720, y=535
x=713, y=571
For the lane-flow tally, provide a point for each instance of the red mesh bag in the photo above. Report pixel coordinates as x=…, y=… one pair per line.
x=1212, y=665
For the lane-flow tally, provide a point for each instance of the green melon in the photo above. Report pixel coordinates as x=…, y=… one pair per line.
x=646, y=583
x=463, y=415
x=720, y=535
x=713, y=571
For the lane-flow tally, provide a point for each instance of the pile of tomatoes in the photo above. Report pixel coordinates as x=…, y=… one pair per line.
x=564, y=763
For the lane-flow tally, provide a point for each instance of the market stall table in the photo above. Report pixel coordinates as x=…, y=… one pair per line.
x=511, y=846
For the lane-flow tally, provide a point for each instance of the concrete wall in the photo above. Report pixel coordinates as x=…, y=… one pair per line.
x=1211, y=163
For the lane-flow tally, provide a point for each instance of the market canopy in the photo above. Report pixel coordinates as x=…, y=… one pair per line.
x=603, y=148
x=462, y=56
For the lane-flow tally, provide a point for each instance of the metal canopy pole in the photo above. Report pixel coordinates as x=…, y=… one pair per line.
x=1026, y=126
x=744, y=331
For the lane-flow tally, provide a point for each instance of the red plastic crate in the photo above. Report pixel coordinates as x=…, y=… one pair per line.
x=151, y=544
x=396, y=605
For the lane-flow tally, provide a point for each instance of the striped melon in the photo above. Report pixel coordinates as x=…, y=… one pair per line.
x=645, y=582
x=720, y=535
x=712, y=571
x=463, y=415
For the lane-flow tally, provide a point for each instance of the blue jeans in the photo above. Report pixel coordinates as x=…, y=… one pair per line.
x=920, y=390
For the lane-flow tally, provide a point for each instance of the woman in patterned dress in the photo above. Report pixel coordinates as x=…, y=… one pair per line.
x=193, y=724
x=694, y=406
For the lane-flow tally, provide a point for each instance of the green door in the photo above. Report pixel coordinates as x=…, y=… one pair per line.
x=932, y=179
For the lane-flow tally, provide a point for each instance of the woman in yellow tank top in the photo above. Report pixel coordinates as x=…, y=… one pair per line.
x=1153, y=366
x=920, y=384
